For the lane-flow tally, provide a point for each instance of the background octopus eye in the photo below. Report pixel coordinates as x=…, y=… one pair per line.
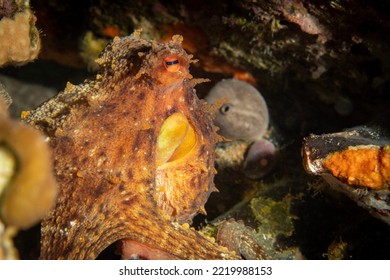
x=172, y=63
x=225, y=108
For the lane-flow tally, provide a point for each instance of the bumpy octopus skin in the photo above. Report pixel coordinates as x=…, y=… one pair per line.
x=113, y=183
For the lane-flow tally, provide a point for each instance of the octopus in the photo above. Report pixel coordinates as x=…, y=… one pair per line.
x=242, y=115
x=133, y=157
x=243, y=112
x=260, y=159
x=240, y=238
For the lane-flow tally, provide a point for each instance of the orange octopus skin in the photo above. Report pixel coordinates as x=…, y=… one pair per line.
x=104, y=135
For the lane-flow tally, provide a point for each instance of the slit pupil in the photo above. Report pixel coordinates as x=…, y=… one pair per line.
x=225, y=108
x=169, y=63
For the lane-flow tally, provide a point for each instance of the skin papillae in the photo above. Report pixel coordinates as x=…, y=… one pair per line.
x=113, y=183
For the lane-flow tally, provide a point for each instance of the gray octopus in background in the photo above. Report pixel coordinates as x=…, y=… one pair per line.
x=242, y=114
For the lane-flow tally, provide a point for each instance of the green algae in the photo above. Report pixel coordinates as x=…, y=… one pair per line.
x=272, y=216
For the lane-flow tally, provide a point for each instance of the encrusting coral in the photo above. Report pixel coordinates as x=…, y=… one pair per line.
x=355, y=162
x=366, y=166
x=19, y=38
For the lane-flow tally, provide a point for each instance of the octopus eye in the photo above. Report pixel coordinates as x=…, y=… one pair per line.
x=172, y=63
x=225, y=108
